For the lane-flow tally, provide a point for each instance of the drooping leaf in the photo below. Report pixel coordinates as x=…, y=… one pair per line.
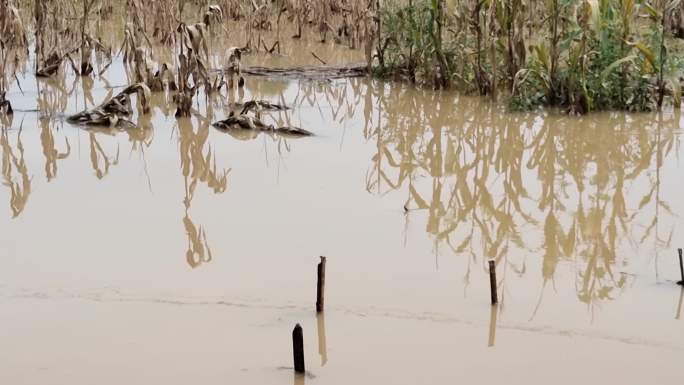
x=616, y=64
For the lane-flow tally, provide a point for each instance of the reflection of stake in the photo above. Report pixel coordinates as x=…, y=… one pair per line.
x=299, y=379
x=322, y=345
x=492, y=282
x=681, y=268
x=679, y=308
x=320, y=287
x=298, y=349
x=492, y=326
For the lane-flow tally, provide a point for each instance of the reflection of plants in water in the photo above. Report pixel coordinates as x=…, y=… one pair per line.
x=598, y=160
x=474, y=181
x=341, y=97
x=99, y=160
x=139, y=136
x=198, y=249
x=53, y=95
x=665, y=142
x=15, y=172
x=50, y=151
x=198, y=167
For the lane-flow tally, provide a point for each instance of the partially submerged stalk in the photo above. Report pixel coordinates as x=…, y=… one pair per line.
x=115, y=110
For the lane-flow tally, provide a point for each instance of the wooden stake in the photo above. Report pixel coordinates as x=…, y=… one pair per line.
x=298, y=349
x=320, y=286
x=681, y=268
x=492, y=282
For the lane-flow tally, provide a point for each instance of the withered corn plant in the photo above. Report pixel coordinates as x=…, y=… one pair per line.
x=13, y=47
x=87, y=43
x=5, y=105
x=192, y=71
x=12, y=26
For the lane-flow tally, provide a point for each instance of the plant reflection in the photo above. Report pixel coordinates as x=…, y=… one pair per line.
x=99, y=160
x=50, y=151
x=15, y=172
x=482, y=176
x=198, y=167
x=491, y=184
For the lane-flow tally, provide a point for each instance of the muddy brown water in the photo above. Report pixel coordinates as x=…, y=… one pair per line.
x=174, y=253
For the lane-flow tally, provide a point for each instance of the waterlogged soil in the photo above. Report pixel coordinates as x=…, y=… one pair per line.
x=174, y=253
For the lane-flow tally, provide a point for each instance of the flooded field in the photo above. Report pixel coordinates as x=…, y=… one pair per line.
x=175, y=253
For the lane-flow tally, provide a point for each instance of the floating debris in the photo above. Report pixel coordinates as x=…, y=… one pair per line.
x=310, y=72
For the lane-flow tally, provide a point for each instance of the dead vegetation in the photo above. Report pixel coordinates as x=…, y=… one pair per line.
x=478, y=47
x=167, y=46
x=174, y=47
x=114, y=111
x=250, y=119
x=13, y=48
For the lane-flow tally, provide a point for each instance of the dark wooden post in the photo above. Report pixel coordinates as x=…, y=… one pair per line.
x=298, y=349
x=681, y=267
x=492, y=282
x=320, y=287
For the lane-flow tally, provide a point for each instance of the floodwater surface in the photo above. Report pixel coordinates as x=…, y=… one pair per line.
x=174, y=253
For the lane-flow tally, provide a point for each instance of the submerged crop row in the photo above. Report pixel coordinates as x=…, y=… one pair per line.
x=165, y=45
x=582, y=55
